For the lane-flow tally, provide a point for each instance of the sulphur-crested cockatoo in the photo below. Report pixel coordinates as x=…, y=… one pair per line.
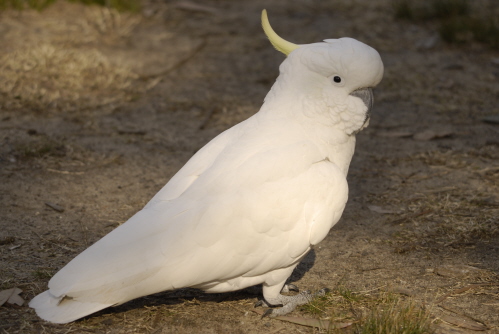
x=248, y=206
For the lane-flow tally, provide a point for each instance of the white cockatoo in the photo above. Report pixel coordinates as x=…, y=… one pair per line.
x=248, y=206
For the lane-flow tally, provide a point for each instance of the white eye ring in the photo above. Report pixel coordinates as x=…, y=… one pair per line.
x=337, y=80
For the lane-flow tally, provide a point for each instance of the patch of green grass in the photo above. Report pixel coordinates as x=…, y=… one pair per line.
x=455, y=31
x=121, y=5
x=430, y=10
x=403, y=9
x=318, y=305
x=378, y=312
x=42, y=274
x=486, y=30
x=396, y=317
x=7, y=281
x=456, y=20
x=348, y=294
x=461, y=29
x=39, y=149
x=22, y=4
x=442, y=9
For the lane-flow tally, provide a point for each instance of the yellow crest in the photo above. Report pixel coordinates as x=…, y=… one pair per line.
x=279, y=43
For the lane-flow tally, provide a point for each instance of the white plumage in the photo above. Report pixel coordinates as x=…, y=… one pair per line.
x=249, y=205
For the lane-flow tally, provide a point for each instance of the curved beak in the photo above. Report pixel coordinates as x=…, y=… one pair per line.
x=366, y=95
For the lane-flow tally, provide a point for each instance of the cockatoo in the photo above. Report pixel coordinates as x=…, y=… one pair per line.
x=248, y=206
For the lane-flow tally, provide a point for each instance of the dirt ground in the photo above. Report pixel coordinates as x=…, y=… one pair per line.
x=98, y=109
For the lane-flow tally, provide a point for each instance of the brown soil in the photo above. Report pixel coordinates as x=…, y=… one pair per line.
x=99, y=109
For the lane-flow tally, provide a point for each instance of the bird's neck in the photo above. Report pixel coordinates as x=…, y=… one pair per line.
x=292, y=116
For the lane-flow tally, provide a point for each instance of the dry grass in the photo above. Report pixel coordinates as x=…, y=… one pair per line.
x=451, y=219
x=46, y=76
x=448, y=213
x=38, y=147
x=62, y=71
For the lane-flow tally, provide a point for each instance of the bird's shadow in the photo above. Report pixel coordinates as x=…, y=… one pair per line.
x=190, y=295
x=303, y=267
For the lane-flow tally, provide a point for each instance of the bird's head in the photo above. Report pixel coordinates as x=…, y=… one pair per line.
x=337, y=75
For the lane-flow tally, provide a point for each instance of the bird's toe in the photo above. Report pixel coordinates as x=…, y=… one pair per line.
x=261, y=303
x=289, y=303
x=267, y=313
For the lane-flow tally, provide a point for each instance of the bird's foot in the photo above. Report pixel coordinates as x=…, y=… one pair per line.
x=289, y=303
x=261, y=303
x=286, y=288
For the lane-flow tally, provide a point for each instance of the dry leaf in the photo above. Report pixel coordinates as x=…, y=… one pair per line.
x=325, y=324
x=464, y=322
x=11, y=296
x=195, y=7
x=444, y=328
x=56, y=207
x=457, y=270
x=494, y=119
x=461, y=290
x=7, y=240
x=379, y=209
x=432, y=134
x=401, y=290
x=395, y=134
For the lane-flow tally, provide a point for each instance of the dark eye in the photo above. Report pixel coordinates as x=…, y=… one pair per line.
x=337, y=79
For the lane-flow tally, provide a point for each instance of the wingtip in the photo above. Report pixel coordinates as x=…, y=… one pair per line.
x=50, y=308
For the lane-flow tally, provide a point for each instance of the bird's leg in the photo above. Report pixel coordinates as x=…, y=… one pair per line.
x=273, y=297
x=286, y=288
x=261, y=303
x=289, y=287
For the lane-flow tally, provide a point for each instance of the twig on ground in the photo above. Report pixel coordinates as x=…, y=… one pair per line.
x=412, y=216
x=467, y=318
x=64, y=171
x=55, y=207
x=207, y=119
x=463, y=289
x=179, y=64
x=56, y=244
x=309, y=322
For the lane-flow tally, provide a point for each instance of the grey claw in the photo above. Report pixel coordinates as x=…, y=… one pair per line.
x=324, y=291
x=261, y=303
x=267, y=313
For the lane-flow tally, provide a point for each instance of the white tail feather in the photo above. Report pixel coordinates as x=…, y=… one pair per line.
x=49, y=308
